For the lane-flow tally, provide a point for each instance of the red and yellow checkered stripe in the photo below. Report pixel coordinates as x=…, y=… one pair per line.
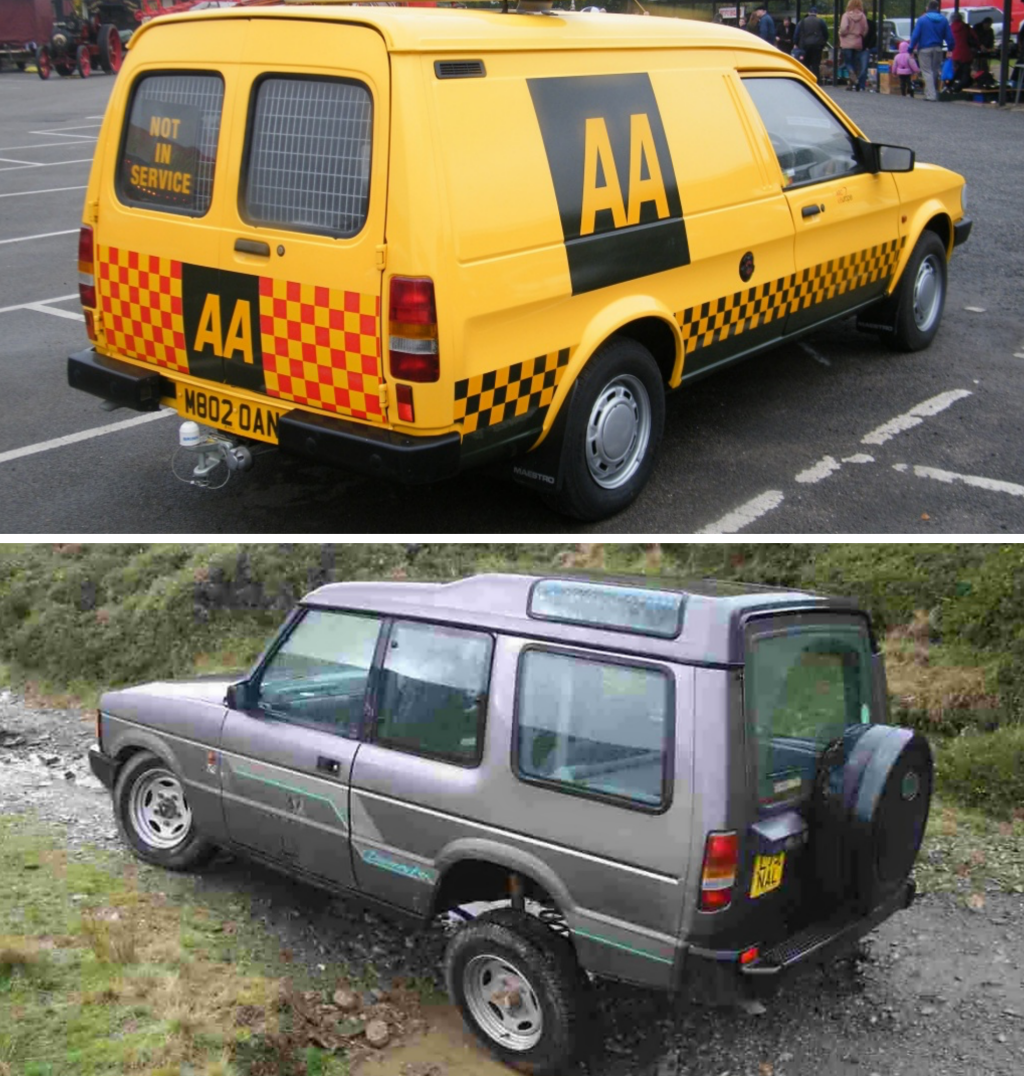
x=139, y=297
x=321, y=347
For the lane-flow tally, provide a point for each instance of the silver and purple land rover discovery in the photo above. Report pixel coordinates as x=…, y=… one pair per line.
x=682, y=788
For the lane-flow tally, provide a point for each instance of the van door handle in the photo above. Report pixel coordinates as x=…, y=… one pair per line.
x=807, y=211
x=328, y=765
x=252, y=246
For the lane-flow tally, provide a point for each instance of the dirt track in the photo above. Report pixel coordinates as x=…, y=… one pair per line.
x=936, y=991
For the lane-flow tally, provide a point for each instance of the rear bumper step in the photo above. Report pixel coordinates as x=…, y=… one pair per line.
x=118, y=382
x=823, y=940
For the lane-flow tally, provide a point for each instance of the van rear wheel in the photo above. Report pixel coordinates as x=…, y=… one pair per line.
x=517, y=986
x=613, y=431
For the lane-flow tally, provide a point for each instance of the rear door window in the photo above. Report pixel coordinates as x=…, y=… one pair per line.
x=594, y=727
x=170, y=143
x=806, y=686
x=308, y=163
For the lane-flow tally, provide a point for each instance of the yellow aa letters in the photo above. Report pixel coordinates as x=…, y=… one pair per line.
x=239, y=335
x=598, y=161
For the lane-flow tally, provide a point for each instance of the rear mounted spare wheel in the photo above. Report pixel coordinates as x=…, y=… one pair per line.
x=871, y=802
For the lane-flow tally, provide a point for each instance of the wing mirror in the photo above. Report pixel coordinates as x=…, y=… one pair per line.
x=876, y=157
x=242, y=696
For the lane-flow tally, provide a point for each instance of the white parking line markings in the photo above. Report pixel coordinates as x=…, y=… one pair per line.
x=822, y=469
x=38, y=302
x=746, y=514
x=995, y=485
x=12, y=160
x=85, y=435
x=42, y=235
x=41, y=308
x=914, y=417
x=79, y=140
x=49, y=164
x=45, y=190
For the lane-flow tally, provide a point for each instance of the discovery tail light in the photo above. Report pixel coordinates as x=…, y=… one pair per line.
x=412, y=330
x=718, y=875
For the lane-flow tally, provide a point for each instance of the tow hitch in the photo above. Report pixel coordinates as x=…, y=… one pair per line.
x=207, y=459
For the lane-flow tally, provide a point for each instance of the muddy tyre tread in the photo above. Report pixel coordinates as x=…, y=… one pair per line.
x=550, y=963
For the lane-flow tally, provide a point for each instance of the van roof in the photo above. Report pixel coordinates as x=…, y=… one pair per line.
x=459, y=29
x=713, y=613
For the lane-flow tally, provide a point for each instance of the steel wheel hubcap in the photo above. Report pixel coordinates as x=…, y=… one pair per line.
x=927, y=294
x=503, y=1003
x=618, y=431
x=160, y=813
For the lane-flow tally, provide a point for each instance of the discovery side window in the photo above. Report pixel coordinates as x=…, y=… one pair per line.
x=170, y=143
x=596, y=727
x=810, y=143
x=434, y=690
x=308, y=166
x=319, y=674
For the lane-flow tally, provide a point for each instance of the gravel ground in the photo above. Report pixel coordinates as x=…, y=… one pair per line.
x=938, y=990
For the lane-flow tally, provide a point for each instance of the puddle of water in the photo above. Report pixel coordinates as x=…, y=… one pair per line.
x=446, y=1048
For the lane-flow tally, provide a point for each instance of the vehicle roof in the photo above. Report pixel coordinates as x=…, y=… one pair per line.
x=458, y=29
x=713, y=615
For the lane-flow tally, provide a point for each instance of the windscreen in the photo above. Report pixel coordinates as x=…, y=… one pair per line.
x=805, y=686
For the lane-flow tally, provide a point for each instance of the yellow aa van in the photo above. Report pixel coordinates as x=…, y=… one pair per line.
x=411, y=241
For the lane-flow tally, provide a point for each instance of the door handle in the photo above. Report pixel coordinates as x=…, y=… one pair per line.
x=328, y=765
x=253, y=246
x=811, y=210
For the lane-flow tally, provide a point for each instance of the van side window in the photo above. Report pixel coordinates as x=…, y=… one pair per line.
x=433, y=691
x=309, y=155
x=319, y=674
x=170, y=143
x=810, y=143
x=593, y=726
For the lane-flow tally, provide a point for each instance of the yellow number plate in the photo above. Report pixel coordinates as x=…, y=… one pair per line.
x=228, y=412
x=767, y=874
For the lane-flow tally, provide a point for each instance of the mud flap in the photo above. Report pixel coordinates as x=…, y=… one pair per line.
x=541, y=469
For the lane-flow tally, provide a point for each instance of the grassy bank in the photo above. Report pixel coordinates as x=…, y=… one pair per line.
x=77, y=618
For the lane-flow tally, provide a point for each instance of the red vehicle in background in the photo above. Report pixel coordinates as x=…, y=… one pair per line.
x=84, y=36
x=24, y=25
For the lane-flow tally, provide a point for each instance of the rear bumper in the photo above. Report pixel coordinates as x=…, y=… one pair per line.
x=822, y=941
x=103, y=766
x=323, y=438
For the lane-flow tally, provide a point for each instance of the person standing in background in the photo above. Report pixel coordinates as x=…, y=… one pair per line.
x=853, y=29
x=931, y=32
x=765, y=24
x=964, y=45
x=906, y=67
x=812, y=37
x=784, y=38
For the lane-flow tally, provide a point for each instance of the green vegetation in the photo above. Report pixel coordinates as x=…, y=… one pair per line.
x=77, y=618
x=102, y=973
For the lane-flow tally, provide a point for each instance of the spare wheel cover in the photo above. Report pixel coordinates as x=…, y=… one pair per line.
x=888, y=791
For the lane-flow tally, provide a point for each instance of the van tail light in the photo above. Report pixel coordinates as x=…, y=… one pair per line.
x=86, y=268
x=406, y=411
x=412, y=330
x=718, y=875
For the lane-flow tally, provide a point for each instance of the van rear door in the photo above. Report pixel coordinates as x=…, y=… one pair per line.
x=303, y=228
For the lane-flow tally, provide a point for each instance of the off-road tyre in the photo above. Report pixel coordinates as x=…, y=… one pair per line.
x=621, y=377
x=555, y=989
x=921, y=295
x=173, y=843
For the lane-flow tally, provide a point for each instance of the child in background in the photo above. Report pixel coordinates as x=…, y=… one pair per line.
x=906, y=67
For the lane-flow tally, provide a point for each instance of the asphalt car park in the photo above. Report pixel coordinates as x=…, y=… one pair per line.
x=833, y=434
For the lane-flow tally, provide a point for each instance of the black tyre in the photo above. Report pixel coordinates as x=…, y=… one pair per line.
x=612, y=433
x=921, y=295
x=110, y=51
x=154, y=817
x=83, y=61
x=518, y=988
x=44, y=65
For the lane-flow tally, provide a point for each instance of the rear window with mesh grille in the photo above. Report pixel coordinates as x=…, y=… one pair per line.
x=309, y=155
x=170, y=143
